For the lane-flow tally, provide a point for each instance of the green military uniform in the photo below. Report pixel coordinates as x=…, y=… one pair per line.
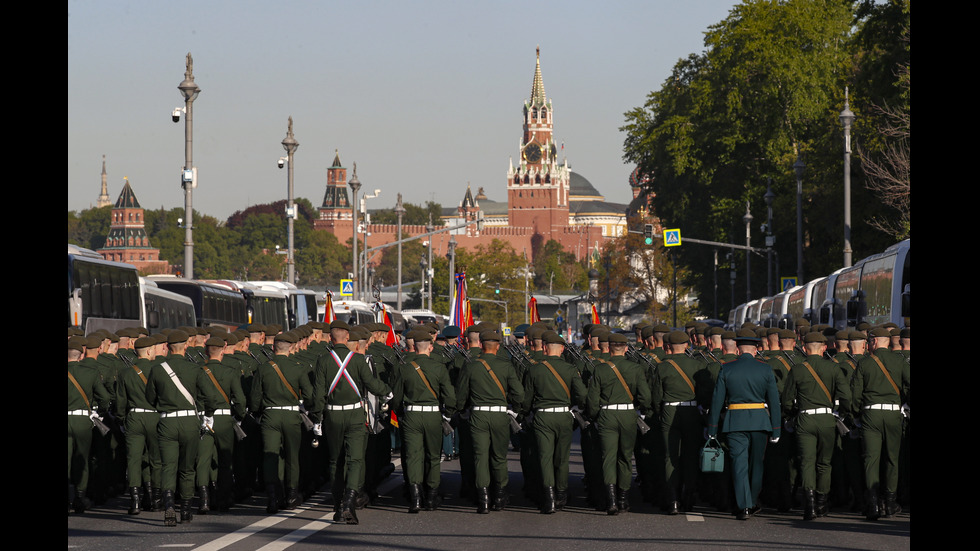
x=552, y=386
x=422, y=386
x=216, y=453
x=486, y=385
x=140, y=419
x=341, y=380
x=613, y=400
x=674, y=396
x=877, y=398
x=281, y=422
x=179, y=427
x=81, y=405
x=813, y=390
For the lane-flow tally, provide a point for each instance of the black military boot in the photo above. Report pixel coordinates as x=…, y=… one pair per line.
x=432, y=499
x=872, y=511
x=673, y=505
x=146, y=498
x=134, y=500
x=622, y=500
x=809, y=507
x=293, y=499
x=186, y=509
x=156, y=502
x=500, y=499
x=482, y=500
x=350, y=507
x=611, y=508
x=338, y=503
x=272, y=501
x=205, y=497
x=169, y=510
x=820, y=504
x=81, y=502
x=561, y=499
x=414, y=498
x=891, y=504
x=548, y=500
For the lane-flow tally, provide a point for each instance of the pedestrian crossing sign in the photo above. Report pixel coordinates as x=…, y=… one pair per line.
x=506, y=330
x=672, y=238
x=787, y=283
x=346, y=287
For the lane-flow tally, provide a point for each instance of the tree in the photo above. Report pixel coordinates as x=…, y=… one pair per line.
x=766, y=90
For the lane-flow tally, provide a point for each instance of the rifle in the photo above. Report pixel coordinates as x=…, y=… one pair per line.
x=643, y=426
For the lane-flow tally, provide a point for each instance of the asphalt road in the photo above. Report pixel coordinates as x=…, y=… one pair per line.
x=456, y=526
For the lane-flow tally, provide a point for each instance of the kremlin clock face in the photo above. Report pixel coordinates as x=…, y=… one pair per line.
x=533, y=152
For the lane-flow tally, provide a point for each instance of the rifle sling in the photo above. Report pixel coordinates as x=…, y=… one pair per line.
x=560, y=380
x=494, y=375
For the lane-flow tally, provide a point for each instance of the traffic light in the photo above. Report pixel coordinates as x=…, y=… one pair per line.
x=497, y=290
x=648, y=234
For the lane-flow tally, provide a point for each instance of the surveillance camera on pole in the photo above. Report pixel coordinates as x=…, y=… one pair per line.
x=176, y=114
x=282, y=161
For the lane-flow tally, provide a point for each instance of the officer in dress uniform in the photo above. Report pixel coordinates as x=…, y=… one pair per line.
x=748, y=387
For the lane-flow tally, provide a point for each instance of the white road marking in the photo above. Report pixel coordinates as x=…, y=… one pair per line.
x=293, y=537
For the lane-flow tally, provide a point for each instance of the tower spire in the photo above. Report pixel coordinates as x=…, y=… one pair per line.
x=537, y=88
x=104, y=195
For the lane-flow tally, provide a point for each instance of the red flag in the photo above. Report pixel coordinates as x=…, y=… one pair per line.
x=328, y=314
x=532, y=305
x=595, y=315
x=394, y=419
x=469, y=319
x=391, y=339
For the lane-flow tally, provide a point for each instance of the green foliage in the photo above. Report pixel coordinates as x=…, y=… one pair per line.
x=768, y=87
x=414, y=214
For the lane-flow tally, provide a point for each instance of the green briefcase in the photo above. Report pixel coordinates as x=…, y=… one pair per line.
x=712, y=456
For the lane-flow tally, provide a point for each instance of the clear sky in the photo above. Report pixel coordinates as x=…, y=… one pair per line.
x=425, y=96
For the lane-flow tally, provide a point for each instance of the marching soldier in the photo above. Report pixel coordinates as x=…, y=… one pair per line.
x=748, y=387
x=176, y=388
x=674, y=396
x=815, y=387
x=879, y=388
x=486, y=386
x=341, y=381
x=617, y=392
x=86, y=395
x=422, y=390
x=140, y=419
x=279, y=387
x=552, y=388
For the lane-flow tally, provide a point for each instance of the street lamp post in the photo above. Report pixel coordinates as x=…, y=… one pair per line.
x=748, y=252
x=290, y=144
x=189, y=89
x=366, y=219
x=846, y=119
x=400, y=211
x=429, y=228
x=423, y=265
x=770, y=239
x=798, y=168
x=451, y=255
x=355, y=186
